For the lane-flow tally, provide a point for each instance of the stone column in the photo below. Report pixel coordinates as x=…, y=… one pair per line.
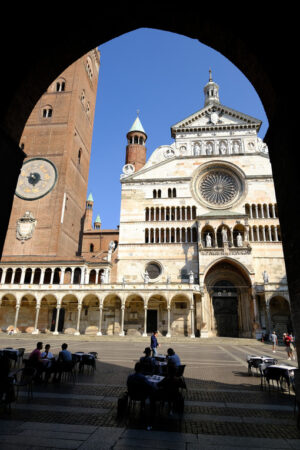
x=268, y=212
x=169, y=322
x=32, y=276
x=16, y=316
x=256, y=211
x=3, y=275
x=55, y=332
x=72, y=275
x=276, y=234
x=269, y=317
x=145, y=321
x=251, y=234
x=270, y=234
x=87, y=276
x=250, y=208
x=13, y=275
x=82, y=276
x=192, y=322
x=36, y=330
x=42, y=276
x=264, y=234
x=77, y=332
x=62, y=275
x=273, y=211
x=52, y=276
x=100, y=320
x=122, y=321
x=23, y=271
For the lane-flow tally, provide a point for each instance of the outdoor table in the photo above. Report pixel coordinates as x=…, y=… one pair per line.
x=256, y=361
x=160, y=358
x=154, y=379
x=281, y=373
x=81, y=354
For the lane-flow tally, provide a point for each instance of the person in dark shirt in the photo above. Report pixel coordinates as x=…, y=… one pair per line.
x=138, y=384
x=154, y=343
x=148, y=363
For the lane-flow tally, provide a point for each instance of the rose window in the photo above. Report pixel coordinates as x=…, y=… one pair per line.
x=218, y=188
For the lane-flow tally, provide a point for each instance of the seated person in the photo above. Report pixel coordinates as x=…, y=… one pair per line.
x=64, y=362
x=35, y=359
x=173, y=357
x=138, y=385
x=148, y=363
x=64, y=354
x=168, y=388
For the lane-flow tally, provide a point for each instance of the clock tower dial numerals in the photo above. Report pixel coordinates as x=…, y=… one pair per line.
x=37, y=178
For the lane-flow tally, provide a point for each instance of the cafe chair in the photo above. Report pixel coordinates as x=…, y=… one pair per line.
x=87, y=361
x=13, y=356
x=68, y=371
x=136, y=395
x=24, y=378
x=21, y=355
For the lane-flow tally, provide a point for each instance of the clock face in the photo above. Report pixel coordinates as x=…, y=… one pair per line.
x=37, y=178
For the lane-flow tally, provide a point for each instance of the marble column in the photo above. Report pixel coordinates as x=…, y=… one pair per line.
x=269, y=317
x=72, y=275
x=276, y=234
x=122, y=321
x=62, y=276
x=42, y=276
x=82, y=277
x=16, y=317
x=100, y=320
x=145, y=321
x=32, y=276
x=55, y=332
x=77, y=332
x=3, y=276
x=264, y=233
x=270, y=234
x=52, y=276
x=169, y=322
x=22, y=275
x=273, y=211
x=36, y=330
x=192, y=322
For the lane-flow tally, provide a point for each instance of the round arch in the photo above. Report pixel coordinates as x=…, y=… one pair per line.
x=280, y=315
x=228, y=290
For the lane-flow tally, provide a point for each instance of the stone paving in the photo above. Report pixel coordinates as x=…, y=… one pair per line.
x=225, y=408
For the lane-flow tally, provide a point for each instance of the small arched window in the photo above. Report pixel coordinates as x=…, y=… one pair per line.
x=60, y=86
x=82, y=96
x=47, y=112
x=174, y=193
x=91, y=248
x=88, y=67
x=88, y=108
x=154, y=193
x=159, y=193
x=79, y=156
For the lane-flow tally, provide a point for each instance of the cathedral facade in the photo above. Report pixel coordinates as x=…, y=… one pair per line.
x=198, y=251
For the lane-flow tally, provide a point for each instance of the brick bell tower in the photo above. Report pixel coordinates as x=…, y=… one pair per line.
x=136, y=149
x=49, y=201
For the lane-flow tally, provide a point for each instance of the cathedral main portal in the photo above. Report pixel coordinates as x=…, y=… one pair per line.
x=225, y=306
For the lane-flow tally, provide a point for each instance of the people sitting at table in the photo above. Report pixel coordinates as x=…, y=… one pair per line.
x=148, y=363
x=138, y=385
x=173, y=357
x=47, y=355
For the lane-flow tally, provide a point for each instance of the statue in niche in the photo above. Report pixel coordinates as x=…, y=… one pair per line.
x=196, y=149
x=224, y=235
x=209, y=148
x=265, y=277
x=191, y=277
x=208, y=240
x=236, y=147
x=111, y=247
x=146, y=277
x=239, y=240
x=223, y=148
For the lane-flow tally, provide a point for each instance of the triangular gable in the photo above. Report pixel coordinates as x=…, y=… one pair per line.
x=216, y=117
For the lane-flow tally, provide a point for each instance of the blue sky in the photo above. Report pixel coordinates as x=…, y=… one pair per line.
x=161, y=74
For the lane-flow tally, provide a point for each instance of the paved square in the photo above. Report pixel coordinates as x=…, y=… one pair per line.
x=224, y=406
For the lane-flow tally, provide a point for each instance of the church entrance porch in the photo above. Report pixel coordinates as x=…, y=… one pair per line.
x=225, y=307
x=228, y=300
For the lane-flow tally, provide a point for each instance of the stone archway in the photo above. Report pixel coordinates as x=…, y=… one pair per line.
x=228, y=290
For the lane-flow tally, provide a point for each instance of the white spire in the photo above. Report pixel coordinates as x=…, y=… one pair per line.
x=211, y=91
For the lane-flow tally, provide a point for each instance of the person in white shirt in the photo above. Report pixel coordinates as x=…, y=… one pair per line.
x=274, y=341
